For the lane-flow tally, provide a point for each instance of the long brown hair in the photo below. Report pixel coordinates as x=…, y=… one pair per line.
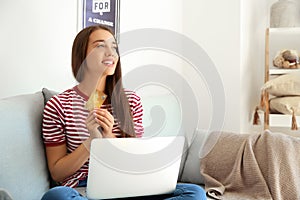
x=113, y=87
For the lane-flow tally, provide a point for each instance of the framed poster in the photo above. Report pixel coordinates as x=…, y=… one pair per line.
x=104, y=12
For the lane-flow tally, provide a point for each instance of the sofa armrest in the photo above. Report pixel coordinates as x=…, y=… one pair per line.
x=23, y=169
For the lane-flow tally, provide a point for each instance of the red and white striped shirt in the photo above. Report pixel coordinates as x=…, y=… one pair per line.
x=64, y=122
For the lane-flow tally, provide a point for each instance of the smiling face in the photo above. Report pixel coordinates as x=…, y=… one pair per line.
x=102, y=56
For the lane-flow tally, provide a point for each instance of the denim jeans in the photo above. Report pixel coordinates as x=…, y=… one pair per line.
x=183, y=191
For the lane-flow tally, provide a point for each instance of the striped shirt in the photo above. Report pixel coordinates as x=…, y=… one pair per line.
x=64, y=123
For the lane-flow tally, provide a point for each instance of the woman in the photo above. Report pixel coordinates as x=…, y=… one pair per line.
x=69, y=128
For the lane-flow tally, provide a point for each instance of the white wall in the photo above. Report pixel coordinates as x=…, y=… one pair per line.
x=255, y=17
x=255, y=20
x=215, y=26
x=137, y=14
x=154, y=14
x=36, y=39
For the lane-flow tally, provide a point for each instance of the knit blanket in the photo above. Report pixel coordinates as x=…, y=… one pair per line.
x=252, y=166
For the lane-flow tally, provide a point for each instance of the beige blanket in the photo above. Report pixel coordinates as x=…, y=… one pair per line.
x=253, y=166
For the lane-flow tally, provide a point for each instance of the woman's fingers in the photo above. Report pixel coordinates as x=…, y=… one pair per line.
x=105, y=120
x=100, y=118
x=92, y=126
x=105, y=117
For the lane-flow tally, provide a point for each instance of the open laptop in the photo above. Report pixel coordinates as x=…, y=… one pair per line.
x=127, y=167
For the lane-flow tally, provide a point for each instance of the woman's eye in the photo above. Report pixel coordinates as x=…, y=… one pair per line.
x=114, y=48
x=100, y=45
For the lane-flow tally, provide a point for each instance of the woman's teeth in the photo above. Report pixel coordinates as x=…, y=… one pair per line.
x=107, y=62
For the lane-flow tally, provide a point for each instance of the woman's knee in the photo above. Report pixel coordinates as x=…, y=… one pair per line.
x=199, y=192
x=62, y=193
x=192, y=190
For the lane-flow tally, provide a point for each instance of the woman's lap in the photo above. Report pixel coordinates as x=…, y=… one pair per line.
x=183, y=191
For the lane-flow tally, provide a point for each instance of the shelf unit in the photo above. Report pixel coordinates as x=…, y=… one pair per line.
x=273, y=71
x=276, y=40
x=279, y=120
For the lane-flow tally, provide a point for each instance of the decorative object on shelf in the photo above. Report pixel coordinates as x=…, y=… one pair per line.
x=287, y=59
x=294, y=122
x=285, y=105
x=289, y=105
x=285, y=13
x=286, y=92
x=256, y=119
x=285, y=85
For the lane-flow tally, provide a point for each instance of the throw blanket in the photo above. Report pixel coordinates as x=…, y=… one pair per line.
x=252, y=166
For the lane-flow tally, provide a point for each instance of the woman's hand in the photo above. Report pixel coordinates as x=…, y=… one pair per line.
x=106, y=122
x=100, y=123
x=92, y=126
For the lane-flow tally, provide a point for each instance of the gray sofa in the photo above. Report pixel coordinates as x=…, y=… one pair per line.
x=23, y=167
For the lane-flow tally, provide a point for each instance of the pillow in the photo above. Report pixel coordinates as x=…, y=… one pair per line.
x=285, y=105
x=191, y=171
x=4, y=195
x=48, y=94
x=285, y=85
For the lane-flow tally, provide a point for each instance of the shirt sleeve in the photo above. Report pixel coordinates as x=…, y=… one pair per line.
x=53, y=123
x=137, y=114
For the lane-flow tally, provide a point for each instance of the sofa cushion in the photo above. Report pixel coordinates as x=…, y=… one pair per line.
x=191, y=171
x=23, y=169
x=48, y=94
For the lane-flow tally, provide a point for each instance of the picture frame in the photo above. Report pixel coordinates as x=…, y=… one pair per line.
x=104, y=12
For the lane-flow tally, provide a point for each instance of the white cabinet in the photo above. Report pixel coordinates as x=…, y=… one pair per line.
x=278, y=39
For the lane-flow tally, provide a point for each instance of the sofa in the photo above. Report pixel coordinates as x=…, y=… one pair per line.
x=23, y=165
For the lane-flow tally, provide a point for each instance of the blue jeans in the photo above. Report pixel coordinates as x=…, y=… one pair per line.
x=183, y=191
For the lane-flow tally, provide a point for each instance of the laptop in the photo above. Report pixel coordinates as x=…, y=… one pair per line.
x=129, y=167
